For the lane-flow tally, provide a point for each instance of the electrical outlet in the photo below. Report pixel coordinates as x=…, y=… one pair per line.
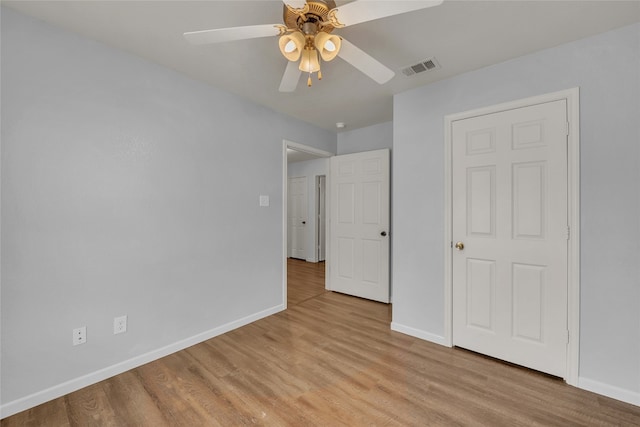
x=119, y=324
x=80, y=335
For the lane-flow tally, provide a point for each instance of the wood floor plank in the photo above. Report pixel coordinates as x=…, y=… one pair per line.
x=328, y=360
x=92, y=408
x=50, y=414
x=133, y=404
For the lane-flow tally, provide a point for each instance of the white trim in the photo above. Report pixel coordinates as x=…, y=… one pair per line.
x=418, y=333
x=70, y=386
x=632, y=397
x=306, y=149
x=327, y=242
x=317, y=215
x=285, y=222
x=573, y=213
x=572, y=96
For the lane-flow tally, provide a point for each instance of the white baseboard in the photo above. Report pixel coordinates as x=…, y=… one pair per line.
x=70, y=386
x=418, y=333
x=613, y=392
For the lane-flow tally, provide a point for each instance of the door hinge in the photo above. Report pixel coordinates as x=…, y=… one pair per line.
x=568, y=337
x=568, y=232
x=567, y=127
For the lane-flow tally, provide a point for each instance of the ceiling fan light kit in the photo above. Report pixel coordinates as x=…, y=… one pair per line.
x=308, y=31
x=306, y=35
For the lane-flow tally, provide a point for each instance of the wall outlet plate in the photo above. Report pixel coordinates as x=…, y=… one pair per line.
x=80, y=335
x=119, y=325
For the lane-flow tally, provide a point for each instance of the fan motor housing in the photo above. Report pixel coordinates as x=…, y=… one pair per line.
x=318, y=12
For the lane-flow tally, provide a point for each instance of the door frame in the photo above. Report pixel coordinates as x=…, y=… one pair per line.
x=321, y=198
x=285, y=198
x=573, y=212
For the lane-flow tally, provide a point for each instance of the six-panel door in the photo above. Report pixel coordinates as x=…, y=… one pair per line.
x=510, y=212
x=359, y=257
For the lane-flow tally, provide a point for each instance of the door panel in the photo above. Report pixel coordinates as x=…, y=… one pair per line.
x=297, y=213
x=481, y=287
x=510, y=211
x=529, y=184
x=346, y=204
x=481, y=201
x=345, y=258
x=528, y=301
x=359, y=225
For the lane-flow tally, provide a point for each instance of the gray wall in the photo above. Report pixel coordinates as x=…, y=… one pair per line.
x=311, y=169
x=127, y=189
x=607, y=70
x=368, y=138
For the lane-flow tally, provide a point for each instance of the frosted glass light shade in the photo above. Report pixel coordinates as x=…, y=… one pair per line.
x=309, y=62
x=328, y=45
x=291, y=45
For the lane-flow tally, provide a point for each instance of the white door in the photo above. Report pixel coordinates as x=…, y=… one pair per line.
x=297, y=213
x=510, y=214
x=322, y=215
x=359, y=225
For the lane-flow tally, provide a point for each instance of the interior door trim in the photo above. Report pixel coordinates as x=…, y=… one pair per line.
x=573, y=185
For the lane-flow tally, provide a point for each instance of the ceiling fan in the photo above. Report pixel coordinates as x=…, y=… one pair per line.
x=306, y=35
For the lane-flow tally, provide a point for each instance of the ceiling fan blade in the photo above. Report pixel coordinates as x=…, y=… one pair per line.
x=296, y=4
x=364, y=62
x=290, y=78
x=220, y=35
x=369, y=10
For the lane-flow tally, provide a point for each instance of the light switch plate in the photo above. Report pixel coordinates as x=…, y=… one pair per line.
x=264, y=201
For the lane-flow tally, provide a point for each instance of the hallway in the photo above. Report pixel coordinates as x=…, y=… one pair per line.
x=305, y=280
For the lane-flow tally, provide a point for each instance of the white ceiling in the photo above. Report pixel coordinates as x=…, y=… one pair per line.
x=461, y=35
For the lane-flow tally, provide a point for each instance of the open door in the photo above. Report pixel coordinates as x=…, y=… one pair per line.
x=359, y=225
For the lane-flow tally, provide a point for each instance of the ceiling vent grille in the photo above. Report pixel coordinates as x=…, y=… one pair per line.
x=429, y=64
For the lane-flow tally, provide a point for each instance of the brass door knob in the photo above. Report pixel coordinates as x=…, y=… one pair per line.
x=459, y=246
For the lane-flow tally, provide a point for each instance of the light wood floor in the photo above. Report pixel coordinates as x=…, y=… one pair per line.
x=305, y=280
x=328, y=360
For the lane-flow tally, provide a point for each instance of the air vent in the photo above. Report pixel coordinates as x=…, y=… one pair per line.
x=422, y=66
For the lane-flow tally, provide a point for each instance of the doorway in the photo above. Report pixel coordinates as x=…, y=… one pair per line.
x=293, y=152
